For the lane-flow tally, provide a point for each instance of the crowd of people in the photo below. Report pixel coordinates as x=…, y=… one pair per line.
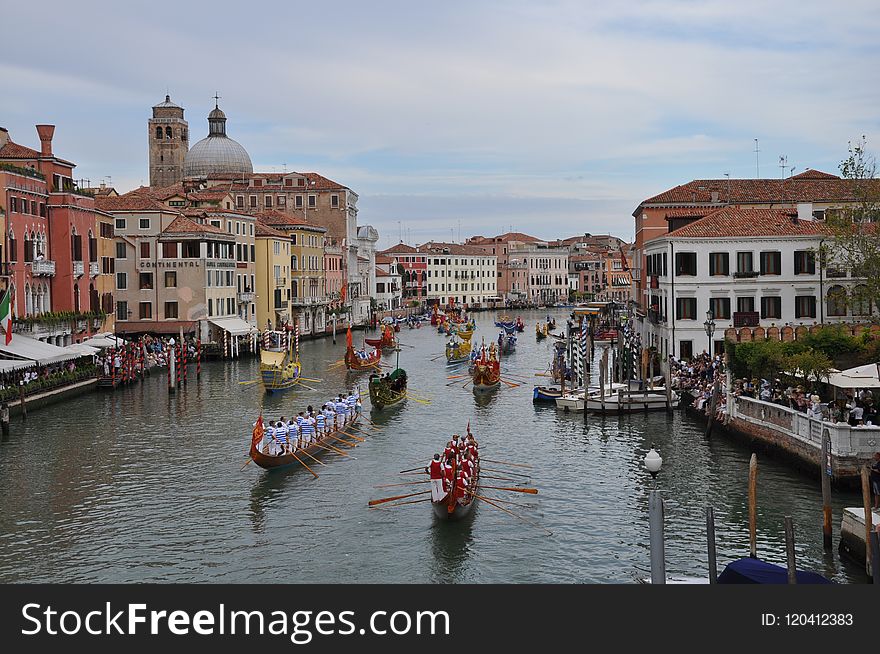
x=286, y=436
x=456, y=468
x=395, y=384
x=698, y=377
x=13, y=379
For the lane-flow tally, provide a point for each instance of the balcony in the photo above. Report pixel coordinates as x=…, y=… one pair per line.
x=746, y=319
x=654, y=317
x=246, y=297
x=94, y=269
x=44, y=268
x=78, y=269
x=307, y=301
x=745, y=274
x=281, y=281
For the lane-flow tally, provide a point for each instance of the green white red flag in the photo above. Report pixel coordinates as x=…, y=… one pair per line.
x=7, y=308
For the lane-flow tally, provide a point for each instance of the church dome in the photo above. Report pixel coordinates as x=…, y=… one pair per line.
x=217, y=153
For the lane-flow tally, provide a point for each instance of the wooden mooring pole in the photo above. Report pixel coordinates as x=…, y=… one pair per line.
x=22, y=401
x=710, y=538
x=869, y=517
x=790, y=562
x=825, y=470
x=753, y=506
x=713, y=406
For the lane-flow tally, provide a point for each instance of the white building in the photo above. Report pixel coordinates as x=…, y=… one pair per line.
x=545, y=269
x=363, y=282
x=460, y=274
x=750, y=267
x=389, y=287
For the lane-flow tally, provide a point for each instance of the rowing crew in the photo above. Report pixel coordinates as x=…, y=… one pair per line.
x=285, y=436
x=460, y=461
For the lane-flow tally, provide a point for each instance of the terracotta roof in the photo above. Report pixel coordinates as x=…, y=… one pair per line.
x=809, y=186
x=263, y=230
x=400, y=248
x=382, y=273
x=15, y=151
x=383, y=259
x=691, y=212
x=501, y=238
x=731, y=222
x=183, y=225
x=130, y=202
x=282, y=218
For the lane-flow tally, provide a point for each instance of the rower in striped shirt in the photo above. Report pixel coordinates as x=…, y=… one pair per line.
x=321, y=421
x=342, y=409
x=281, y=435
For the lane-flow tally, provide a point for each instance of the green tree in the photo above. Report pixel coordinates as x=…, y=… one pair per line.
x=854, y=242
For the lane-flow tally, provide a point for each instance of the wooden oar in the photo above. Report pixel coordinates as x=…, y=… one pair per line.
x=388, y=506
x=530, y=491
x=359, y=439
x=337, y=439
x=306, y=385
x=293, y=454
x=406, y=483
x=508, y=463
x=420, y=469
x=312, y=458
x=317, y=381
x=365, y=429
x=482, y=476
x=456, y=376
x=246, y=463
x=518, y=517
x=396, y=497
x=327, y=446
x=415, y=399
x=511, y=384
x=246, y=383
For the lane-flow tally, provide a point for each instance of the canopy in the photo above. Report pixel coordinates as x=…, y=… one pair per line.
x=101, y=341
x=82, y=349
x=859, y=377
x=10, y=364
x=22, y=347
x=234, y=325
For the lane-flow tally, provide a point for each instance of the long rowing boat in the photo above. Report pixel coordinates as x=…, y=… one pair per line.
x=278, y=461
x=388, y=391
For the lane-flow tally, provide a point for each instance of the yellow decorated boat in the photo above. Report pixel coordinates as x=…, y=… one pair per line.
x=280, y=368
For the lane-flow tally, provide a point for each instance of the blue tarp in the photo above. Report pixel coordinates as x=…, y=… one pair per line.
x=755, y=571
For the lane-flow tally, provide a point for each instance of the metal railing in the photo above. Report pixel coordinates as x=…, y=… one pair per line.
x=78, y=268
x=43, y=267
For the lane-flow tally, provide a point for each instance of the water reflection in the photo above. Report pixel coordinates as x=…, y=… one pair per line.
x=451, y=543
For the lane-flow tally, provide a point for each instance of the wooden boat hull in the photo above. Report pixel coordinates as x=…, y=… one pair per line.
x=382, y=396
x=540, y=336
x=283, y=461
x=277, y=372
x=635, y=403
x=450, y=509
x=486, y=387
x=353, y=362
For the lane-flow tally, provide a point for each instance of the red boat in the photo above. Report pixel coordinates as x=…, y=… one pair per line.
x=520, y=325
x=355, y=362
x=278, y=461
x=385, y=342
x=487, y=369
x=458, y=502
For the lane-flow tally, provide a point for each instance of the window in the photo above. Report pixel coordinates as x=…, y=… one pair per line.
x=744, y=263
x=686, y=350
x=268, y=199
x=210, y=306
x=239, y=201
x=836, y=301
x=191, y=249
x=298, y=202
x=145, y=249
x=145, y=310
x=169, y=250
x=121, y=281
x=146, y=280
x=771, y=263
x=170, y=310
x=804, y=262
x=686, y=308
x=108, y=265
x=313, y=200
x=771, y=307
x=144, y=223
x=334, y=201
x=685, y=263
x=106, y=230
x=170, y=279
x=720, y=308
x=745, y=304
x=120, y=223
x=719, y=263
x=253, y=201
x=805, y=306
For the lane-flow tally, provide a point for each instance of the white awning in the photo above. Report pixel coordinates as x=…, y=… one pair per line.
x=22, y=347
x=82, y=349
x=234, y=325
x=11, y=364
x=104, y=341
x=859, y=377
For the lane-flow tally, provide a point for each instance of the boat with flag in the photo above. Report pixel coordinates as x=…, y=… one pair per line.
x=455, y=481
x=280, y=368
x=487, y=369
x=360, y=360
x=386, y=341
x=388, y=390
x=302, y=447
x=458, y=350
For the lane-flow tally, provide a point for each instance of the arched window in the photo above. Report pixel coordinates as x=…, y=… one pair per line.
x=47, y=297
x=39, y=306
x=76, y=297
x=28, y=300
x=94, y=303
x=159, y=132
x=836, y=301
x=861, y=304
x=293, y=262
x=169, y=134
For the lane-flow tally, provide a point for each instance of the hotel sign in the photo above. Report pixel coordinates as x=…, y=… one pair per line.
x=171, y=264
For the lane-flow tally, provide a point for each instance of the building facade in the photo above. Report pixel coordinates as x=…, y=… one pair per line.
x=414, y=279
x=272, y=289
x=460, y=275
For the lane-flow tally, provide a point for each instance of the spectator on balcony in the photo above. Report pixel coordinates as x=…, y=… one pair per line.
x=40, y=256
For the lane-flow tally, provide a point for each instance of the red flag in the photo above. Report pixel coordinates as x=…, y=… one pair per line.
x=348, y=337
x=258, y=432
x=342, y=293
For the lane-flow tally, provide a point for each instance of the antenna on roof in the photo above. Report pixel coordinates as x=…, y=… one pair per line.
x=757, y=162
x=727, y=175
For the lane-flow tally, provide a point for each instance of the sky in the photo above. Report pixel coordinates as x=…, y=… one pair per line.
x=464, y=117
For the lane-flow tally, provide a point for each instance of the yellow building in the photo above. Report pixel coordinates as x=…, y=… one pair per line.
x=105, y=279
x=273, y=276
x=307, y=283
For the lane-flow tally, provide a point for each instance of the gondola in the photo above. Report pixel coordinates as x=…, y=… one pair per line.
x=487, y=370
x=385, y=342
x=506, y=343
x=520, y=325
x=280, y=368
x=272, y=462
x=388, y=391
x=540, y=334
x=354, y=362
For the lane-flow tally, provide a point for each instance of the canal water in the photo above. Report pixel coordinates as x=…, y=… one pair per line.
x=143, y=486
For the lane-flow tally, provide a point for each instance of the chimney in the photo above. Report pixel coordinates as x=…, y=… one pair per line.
x=4, y=136
x=805, y=211
x=714, y=197
x=46, y=133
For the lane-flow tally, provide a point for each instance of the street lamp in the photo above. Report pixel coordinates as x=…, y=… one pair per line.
x=709, y=326
x=653, y=461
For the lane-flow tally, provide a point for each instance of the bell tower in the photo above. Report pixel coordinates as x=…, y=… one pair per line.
x=168, y=135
